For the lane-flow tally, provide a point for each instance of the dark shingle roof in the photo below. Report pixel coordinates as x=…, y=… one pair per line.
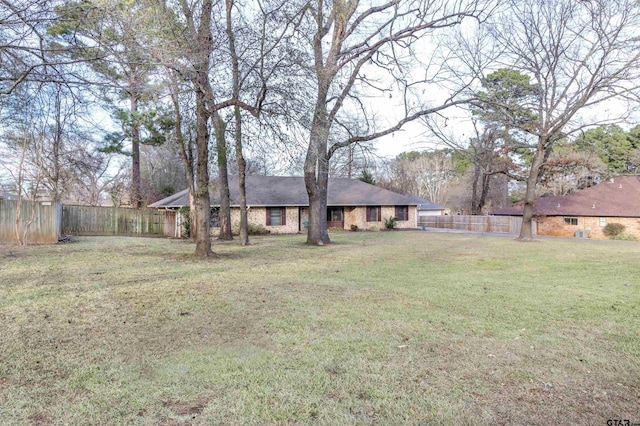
x=618, y=197
x=291, y=191
x=179, y=199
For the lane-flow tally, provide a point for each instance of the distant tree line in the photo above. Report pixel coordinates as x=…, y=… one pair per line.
x=131, y=100
x=457, y=178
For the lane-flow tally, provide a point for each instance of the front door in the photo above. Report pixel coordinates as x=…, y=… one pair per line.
x=335, y=217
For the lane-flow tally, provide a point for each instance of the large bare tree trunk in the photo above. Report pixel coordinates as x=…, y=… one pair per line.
x=56, y=195
x=136, y=194
x=316, y=164
x=202, y=202
x=480, y=190
x=185, y=148
x=317, y=233
x=242, y=190
x=193, y=223
x=201, y=83
x=242, y=164
x=477, y=174
x=316, y=178
x=526, y=232
x=223, y=178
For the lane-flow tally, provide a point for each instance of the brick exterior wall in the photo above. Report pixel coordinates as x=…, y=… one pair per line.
x=358, y=216
x=258, y=216
x=556, y=226
x=352, y=216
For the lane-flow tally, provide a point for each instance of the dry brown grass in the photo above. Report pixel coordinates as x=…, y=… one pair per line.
x=386, y=328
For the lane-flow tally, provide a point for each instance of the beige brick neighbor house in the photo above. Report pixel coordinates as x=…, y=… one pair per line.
x=585, y=213
x=280, y=204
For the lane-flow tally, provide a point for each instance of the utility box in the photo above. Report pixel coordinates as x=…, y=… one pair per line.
x=581, y=234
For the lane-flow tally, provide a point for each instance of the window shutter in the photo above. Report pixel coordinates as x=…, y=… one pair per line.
x=268, y=216
x=283, y=213
x=379, y=214
x=397, y=211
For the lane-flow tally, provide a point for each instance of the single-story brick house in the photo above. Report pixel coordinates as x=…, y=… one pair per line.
x=281, y=204
x=587, y=212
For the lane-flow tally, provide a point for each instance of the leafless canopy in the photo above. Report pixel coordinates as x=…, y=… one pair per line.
x=364, y=50
x=579, y=55
x=25, y=54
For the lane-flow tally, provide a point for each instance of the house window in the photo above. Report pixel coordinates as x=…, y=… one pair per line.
x=276, y=216
x=335, y=214
x=603, y=221
x=373, y=214
x=402, y=213
x=570, y=220
x=214, y=217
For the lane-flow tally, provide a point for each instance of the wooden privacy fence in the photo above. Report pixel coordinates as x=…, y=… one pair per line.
x=90, y=220
x=42, y=219
x=498, y=224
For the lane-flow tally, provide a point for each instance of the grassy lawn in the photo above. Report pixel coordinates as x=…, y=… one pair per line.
x=377, y=328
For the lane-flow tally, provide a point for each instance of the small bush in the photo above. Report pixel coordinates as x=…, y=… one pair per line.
x=373, y=229
x=336, y=229
x=613, y=229
x=390, y=223
x=354, y=228
x=624, y=237
x=257, y=229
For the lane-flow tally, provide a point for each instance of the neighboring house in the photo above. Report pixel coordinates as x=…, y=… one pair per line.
x=587, y=212
x=427, y=208
x=8, y=196
x=281, y=204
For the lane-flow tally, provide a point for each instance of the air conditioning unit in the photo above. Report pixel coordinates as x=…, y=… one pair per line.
x=581, y=234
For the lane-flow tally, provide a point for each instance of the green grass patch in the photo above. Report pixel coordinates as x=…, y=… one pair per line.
x=376, y=328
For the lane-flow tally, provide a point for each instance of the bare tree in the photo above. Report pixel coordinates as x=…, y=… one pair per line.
x=353, y=160
x=20, y=148
x=578, y=55
x=26, y=54
x=569, y=169
x=489, y=159
x=26, y=180
x=200, y=35
x=186, y=50
x=36, y=119
x=97, y=174
x=162, y=171
x=426, y=174
x=255, y=38
x=357, y=46
x=236, y=49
